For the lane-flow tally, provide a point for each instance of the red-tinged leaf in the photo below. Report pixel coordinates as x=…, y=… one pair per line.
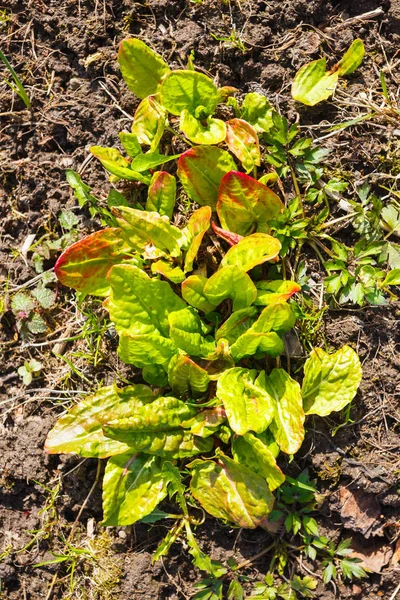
x=242, y=141
x=228, y=236
x=271, y=292
x=245, y=205
x=162, y=194
x=201, y=170
x=85, y=264
x=198, y=224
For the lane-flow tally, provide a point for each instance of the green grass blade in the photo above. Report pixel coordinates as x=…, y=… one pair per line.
x=19, y=89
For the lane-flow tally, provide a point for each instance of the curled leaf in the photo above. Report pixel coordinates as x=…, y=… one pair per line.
x=187, y=331
x=242, y=141
x=230, y=282
x=251, y=451
x=186, y=378
x=148, y=123
x=202, y=131
x=197, y=226
x=271, y=292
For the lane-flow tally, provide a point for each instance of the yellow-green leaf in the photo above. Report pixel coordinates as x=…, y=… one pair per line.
x=288, y=423
x=187, y=332
x=232, y=492
x=197, y=226
x=149, y=123
x=186, y=378
x=248, y=406
x=352, y=59
x=205, y=131
x=330, y=380
x=132, y=488
x=79, y=431
x=230, y=282
x=249, y=450
x=161, y=194
x=242, y=141
x=189, y=90
x=193, y=292
x=138, y=303
x=251, y=251
x=142, y=69
x=117, y=165
x=313, y=83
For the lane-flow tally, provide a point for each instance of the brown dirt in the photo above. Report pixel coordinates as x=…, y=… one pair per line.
x=65, y=52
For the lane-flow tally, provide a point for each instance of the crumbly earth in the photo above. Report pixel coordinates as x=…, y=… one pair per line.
x=65, y=52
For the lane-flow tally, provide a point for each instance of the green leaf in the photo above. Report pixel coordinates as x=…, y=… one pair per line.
x=242, y=141
x=44, y=296
x=330, y=380
x=145, y=349
x=36, y=324
x=271, y=292
x=140, y=304
x=288, y=421
x=231, y=492
x=235, y=591
x=246, y=205
x=197, y=226
x=80, y=430
x=168, y=270
x=207, y=422
x=187, y=333
x=85, y=264
x=149, y=123
x=161, y=195
x=251, y=251
x=155, y=375
x=205, y=131
x=148, y=232
x=352, y=59
x=392, y=278
x=230, y=282
x=201, y=560
x=115, y=198
x=142, y=69
x=274, y=318
x=67, y=219
x=158, y=430
x=248, y=406
x=145, y=162
x=253, y=342
x=313, y=83
x=250, y=451
x=81, y=190
x=201, y=170
x=132, y=488
x=113, y=161
x=257, y=110
x=237, y=324
x=186, y=378
x=130, y=143
x=191, y=91
x=192, y=292
x=22, y=302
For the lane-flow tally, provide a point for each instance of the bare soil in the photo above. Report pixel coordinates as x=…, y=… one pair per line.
x=65, y=52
